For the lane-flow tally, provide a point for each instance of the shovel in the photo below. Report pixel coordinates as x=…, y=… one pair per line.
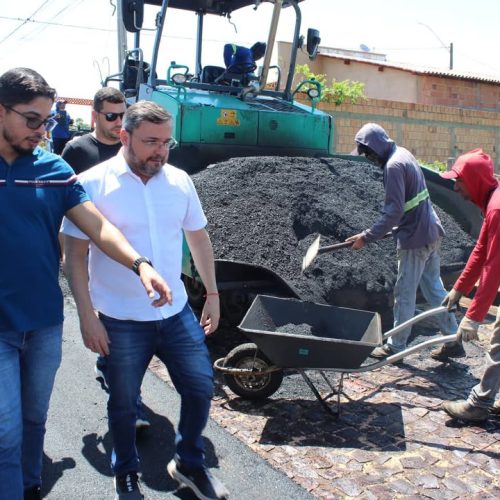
x=315, y=250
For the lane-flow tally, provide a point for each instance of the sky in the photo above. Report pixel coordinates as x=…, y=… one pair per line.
x=73, y=43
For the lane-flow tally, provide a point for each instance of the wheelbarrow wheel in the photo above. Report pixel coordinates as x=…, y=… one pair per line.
x=253, y=385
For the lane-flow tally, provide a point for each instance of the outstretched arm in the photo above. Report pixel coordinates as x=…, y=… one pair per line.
x=112, y=242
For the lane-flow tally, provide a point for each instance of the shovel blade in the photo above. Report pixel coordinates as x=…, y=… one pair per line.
x=311, y=253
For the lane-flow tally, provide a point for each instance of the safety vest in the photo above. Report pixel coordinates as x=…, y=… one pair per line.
x=416, y=200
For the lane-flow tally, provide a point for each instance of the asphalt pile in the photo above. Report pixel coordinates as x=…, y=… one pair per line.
x=268, y=211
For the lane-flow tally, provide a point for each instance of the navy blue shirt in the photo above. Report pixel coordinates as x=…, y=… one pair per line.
x=236, y=54
x=35, y=192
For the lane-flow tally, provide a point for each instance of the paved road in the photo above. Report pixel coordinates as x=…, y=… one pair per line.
x=78, y=444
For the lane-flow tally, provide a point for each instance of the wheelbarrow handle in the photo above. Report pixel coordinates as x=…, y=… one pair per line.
x=416, y=319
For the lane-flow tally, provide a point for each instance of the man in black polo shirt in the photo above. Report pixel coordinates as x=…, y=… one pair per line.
x=104, y=142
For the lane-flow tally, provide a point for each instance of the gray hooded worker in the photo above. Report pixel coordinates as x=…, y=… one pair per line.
x=418, y=232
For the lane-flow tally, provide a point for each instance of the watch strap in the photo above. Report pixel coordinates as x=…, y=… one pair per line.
x=138, y=262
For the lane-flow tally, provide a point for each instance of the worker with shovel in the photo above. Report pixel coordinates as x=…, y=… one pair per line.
x=474, y=181
x=418, y=234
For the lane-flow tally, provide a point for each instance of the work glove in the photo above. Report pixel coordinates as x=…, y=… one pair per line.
x=452, y=298
x=467, y=330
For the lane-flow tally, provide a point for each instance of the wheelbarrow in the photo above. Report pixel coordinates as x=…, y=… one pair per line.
x=289, y=333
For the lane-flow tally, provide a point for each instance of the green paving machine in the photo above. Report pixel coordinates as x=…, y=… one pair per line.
x=225, y=112
x=221, y=113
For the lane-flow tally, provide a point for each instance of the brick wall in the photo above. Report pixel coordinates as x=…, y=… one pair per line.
x=461, y=93
x=430, y=132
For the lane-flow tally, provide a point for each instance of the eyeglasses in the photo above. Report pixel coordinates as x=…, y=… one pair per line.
x=169, y=144
x=34, y=123
x=111, y=117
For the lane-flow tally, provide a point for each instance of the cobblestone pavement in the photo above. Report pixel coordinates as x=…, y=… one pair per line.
x=391, y=440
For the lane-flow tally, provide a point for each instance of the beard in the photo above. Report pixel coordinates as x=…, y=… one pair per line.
x=11, y=141
x=111, y=134
x=145, y=167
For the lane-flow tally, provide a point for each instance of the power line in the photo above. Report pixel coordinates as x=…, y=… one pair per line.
x=51, y=23
x=40, y=29
x=24, y=21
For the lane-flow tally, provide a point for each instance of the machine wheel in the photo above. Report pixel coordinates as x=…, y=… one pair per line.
x=234, y=304
x=252, y=386
x=195, y=291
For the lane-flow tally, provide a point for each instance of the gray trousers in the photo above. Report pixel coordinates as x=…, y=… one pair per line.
x=483, y=394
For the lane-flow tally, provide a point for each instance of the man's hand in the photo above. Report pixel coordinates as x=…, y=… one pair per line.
x=152, y=281
x=210, y=315
x=452, y=298
x=467, y=330
x=95, y=337
x=358, y=241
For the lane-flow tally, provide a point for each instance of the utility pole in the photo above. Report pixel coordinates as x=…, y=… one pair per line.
x=449, y=48
x=122, y=36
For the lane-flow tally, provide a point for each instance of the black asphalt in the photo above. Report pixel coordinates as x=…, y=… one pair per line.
x=78, y=445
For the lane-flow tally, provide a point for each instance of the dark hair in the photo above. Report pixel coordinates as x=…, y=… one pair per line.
x=22, y=85
x=144, y=111
x=258, y=50
x=107, y=94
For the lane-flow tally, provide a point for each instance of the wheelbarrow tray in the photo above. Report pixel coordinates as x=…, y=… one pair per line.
x=338, y=337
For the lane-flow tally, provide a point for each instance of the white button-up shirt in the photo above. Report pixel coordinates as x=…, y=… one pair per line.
x=152, y=217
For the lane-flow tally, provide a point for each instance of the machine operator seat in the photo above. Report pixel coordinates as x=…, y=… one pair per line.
x=209, y=74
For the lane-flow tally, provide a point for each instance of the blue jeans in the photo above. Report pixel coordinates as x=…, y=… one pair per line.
x=28, y=366
x=419, y=267
x=179, y=342
x=102, y=365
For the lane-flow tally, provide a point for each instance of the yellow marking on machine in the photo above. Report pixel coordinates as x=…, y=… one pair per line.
x=228, y=117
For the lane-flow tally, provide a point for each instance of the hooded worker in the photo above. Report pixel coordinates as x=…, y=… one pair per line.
x=408, y=212
x=474, y=180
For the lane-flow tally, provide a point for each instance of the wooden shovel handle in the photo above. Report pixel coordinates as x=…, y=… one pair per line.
x=345, y=244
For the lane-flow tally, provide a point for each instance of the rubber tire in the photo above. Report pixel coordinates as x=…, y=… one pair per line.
x=195, y=292
x=251, y=387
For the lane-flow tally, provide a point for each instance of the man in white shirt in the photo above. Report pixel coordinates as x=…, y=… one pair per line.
x=153, y=203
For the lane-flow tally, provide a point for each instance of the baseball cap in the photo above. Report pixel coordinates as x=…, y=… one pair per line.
x=451, y=174
x=472, y=158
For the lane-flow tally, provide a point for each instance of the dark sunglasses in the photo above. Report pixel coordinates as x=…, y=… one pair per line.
x=34, y=123
x=111, y=117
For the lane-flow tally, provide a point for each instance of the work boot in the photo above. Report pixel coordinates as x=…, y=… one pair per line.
x=448, y=350
x=463, y=410
x=495, y=409
x=382, y=352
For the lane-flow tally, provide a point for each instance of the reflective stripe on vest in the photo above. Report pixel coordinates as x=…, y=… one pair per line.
x=416, y=200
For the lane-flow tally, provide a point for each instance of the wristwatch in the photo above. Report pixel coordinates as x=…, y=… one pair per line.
x=138, y=262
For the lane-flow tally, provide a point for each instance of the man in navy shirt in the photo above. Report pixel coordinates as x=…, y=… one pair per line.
x=37, y=189
x=240, y=59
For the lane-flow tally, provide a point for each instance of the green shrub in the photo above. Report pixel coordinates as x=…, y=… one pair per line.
x=336, y=93
x=435, y=165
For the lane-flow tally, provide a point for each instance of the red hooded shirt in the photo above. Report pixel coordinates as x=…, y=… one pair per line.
x=475, y=169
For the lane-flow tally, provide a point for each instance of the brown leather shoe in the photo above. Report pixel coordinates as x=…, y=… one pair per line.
x=463, y=410
x=448, y=350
